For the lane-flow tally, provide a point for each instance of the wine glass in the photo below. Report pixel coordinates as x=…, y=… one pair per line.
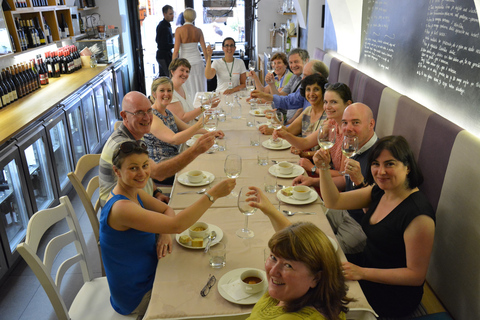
x=270, y=66
x=349, y=148
x=250, y=84
x=251, y=65
x=210, y=123
x=326, y=136
x=206, y=101
x=243, y=199
x=233, y=168
x=277, y=119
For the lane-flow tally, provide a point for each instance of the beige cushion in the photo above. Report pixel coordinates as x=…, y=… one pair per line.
x=387, y=112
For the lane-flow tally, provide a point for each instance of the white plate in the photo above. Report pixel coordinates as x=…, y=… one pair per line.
x=190, y=142
x=208, y=178
x=334, y=243
x=212, y=227
x=292, y=200
x=259, y=114
x=232, y=276
x=285, y=145
x=297, y=170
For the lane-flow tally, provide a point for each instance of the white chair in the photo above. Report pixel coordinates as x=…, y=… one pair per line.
x=85, y=164
x=93, y=299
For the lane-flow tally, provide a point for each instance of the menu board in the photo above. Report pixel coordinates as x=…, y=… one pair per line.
x=431, y=46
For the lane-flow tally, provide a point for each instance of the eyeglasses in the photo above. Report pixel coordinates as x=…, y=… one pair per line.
x=229, y=46
x=211, y=282
x=141, y=113
x=334, y=86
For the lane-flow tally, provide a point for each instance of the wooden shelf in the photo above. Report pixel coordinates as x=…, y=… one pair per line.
x=87, y=8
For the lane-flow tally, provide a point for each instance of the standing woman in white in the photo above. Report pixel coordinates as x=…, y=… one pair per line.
x=187, y=38
x=230, y=72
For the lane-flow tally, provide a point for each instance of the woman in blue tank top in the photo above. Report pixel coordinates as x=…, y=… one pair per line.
x=128, y=224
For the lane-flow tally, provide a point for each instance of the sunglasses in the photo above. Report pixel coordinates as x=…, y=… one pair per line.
x=334, y=86
x=130, y=146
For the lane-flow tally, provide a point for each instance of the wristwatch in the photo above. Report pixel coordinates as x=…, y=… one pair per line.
x=361, y=185
x=314, y=169
x=210, y=197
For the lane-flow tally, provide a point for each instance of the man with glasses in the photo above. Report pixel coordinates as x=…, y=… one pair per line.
x=164, y=40
x=137, y=115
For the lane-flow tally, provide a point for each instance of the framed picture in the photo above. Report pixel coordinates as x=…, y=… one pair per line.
x=5, y=43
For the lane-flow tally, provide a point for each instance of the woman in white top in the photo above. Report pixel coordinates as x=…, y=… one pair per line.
x=230, y=72
x=182, y=101
x=187, y=38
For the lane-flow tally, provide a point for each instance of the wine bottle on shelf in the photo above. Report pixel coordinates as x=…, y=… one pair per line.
x=34, y=73
x=56, y=65
x=14, y=48
x=28, y=77
x=21, y=79
x=48, y=31
x=40, y=32
x=16, y=81
x=34, y=32
x=10, y=83
x=3, y=96
x=27, y=34
x=6, y=100
x=8, y=89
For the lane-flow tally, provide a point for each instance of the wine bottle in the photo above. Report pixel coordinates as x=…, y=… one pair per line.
x=40, y=32
x=3, y=96
x=9, y=81
x=6, y=86
x=16, y=81
x=34, y=32
x=6, y=96
x=56, y=65
x=21, y=79
x=48, y=31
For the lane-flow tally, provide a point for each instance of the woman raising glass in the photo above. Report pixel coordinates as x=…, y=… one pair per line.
x=129, y=222
x=231, y=72
x=280, y=74
x=399, y=226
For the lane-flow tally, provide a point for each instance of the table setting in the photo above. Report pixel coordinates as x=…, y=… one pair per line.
x=225, y=280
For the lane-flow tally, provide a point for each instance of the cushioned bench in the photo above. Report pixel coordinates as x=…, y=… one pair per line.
x=448, y=156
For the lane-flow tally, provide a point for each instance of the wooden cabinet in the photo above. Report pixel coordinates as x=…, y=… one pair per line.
x=51, y=14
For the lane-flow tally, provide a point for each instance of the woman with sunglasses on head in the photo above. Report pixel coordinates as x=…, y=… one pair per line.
x=336, y=98
x=399, y=225
x=304, y=274
x=230, y=72
x=129, y=222
x=168, y=132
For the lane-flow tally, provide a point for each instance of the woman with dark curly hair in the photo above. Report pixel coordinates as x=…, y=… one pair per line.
x=399, y=225
x=304, y=274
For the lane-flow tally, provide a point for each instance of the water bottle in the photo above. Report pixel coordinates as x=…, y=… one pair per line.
x=236, y=109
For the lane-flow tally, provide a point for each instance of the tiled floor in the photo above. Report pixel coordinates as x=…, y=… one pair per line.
x=21, y=295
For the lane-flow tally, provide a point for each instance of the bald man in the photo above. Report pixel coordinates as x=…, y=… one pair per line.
x=357, y=121
x=137, y=115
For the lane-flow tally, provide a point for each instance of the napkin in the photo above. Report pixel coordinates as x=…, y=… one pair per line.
x=234, y=289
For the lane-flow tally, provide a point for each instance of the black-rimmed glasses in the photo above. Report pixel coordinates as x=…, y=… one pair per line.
x=211, y=282
x=141, y=113
x=229, y=46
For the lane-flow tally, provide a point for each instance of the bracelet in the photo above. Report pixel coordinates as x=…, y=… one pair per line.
x=156, y=191
x=361, y=185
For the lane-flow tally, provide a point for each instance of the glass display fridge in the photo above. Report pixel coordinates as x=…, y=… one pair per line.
x=90, y=120
x=15, y=207
x=122, y=82
x=110, y=100
x=59, y=147
x=37, y=166
x=76, y=128
x=102, y=118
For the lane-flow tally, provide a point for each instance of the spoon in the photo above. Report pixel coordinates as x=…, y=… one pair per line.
x=291, y=213
x=199, y=191
x=212, y=237
x=277, y=162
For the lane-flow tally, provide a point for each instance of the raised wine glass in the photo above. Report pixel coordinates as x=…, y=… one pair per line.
x=206, y=101
x=233, y=168
x=251, y=65
x=250, y=84
x=210, y=123
x=244, y=208
x=326, y=135
x=349, y=148
x=270, y=66
x=277, y=119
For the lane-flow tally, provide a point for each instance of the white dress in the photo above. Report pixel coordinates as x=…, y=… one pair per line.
x=196, y=81
x=187, y=104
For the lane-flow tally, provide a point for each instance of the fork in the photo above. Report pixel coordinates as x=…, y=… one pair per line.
x=198, y=192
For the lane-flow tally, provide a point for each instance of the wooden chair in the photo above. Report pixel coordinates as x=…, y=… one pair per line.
x=84, y=165
x=93, y=299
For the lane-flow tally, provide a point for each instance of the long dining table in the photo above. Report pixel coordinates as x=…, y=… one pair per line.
x=181, y=275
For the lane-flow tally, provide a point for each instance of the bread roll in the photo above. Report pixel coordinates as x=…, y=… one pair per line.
x=185, y=239
x=197, y=242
